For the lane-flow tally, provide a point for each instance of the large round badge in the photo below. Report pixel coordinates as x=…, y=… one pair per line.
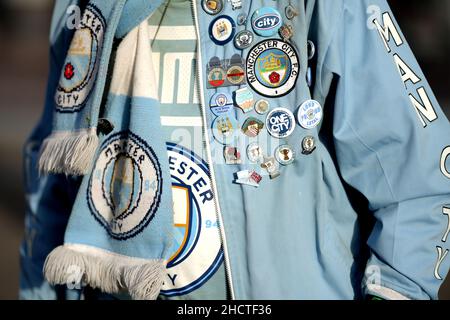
x=212, y=6
x=309, y=114
x=272, y=68
x=81, y=64
x=196, y=252
x=266, y=21
x=222, y=29
x=280, y=123
x=125, y=188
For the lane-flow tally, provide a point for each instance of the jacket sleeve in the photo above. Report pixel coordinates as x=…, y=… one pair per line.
x=392, y=144
x=49, y=199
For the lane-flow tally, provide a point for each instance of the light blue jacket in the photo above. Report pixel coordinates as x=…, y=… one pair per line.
x=381, y=159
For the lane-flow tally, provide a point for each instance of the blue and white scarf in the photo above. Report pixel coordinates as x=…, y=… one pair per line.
x=119, y=232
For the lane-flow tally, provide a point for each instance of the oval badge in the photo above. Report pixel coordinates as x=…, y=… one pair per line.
x=272, y=68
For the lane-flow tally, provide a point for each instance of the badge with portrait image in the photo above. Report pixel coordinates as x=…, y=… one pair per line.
x=222, y=29
x=272, y=68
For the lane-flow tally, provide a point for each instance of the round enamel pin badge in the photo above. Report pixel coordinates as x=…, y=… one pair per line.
x=284, y=154
x=222, y=29
x=309, y=114
x=280, y=123
x=212, y=7
x=126, y=185
x=266, y=21
x=221, y=100
x=262, y=106
x=243, y=39
x=272, y=68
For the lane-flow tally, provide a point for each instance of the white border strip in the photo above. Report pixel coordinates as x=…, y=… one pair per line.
x=181, y=121
x=384, y=292
x=172, y=33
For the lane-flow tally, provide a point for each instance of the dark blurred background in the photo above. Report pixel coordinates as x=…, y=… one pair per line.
x=24, y=28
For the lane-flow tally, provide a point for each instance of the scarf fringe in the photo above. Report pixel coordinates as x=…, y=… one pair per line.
x=68, y=152
x=107, y=271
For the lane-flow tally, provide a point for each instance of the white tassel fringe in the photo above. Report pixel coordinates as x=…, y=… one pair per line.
x=107, y=271
x=68, y=152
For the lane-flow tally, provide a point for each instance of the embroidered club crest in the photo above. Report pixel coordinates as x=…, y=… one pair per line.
x=272, y=68
x=125, y=187
x=81, y=64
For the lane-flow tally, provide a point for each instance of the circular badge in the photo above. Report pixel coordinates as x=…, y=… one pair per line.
x=254, y=152
x=262, y=106
x=280, y=123
x=196, y=252
x=222, y=29
x=243, y=39
x=225, y=127
x=284, y=154
x=272, y=68
x=309, y=114
x=125, y=188
x=212, y=7
x=266, y=21
x=235, y=75
x=220, y=99
x=81, y=64
x=216, y=77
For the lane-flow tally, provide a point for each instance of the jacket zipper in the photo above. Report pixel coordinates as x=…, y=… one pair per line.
x=207, y=146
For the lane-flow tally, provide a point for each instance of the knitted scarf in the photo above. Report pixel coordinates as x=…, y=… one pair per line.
x=119, y=232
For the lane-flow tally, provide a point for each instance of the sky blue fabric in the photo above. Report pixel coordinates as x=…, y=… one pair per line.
x=299, y=236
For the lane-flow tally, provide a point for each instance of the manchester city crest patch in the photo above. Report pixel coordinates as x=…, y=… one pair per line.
x=272, y=68
x=81, y=64
x=125, y=187
x=196, y=252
